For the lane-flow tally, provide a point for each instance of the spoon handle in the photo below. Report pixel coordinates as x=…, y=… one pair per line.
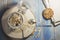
x=46, y=3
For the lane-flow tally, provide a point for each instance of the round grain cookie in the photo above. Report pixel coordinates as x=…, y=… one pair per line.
x=48, y=13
